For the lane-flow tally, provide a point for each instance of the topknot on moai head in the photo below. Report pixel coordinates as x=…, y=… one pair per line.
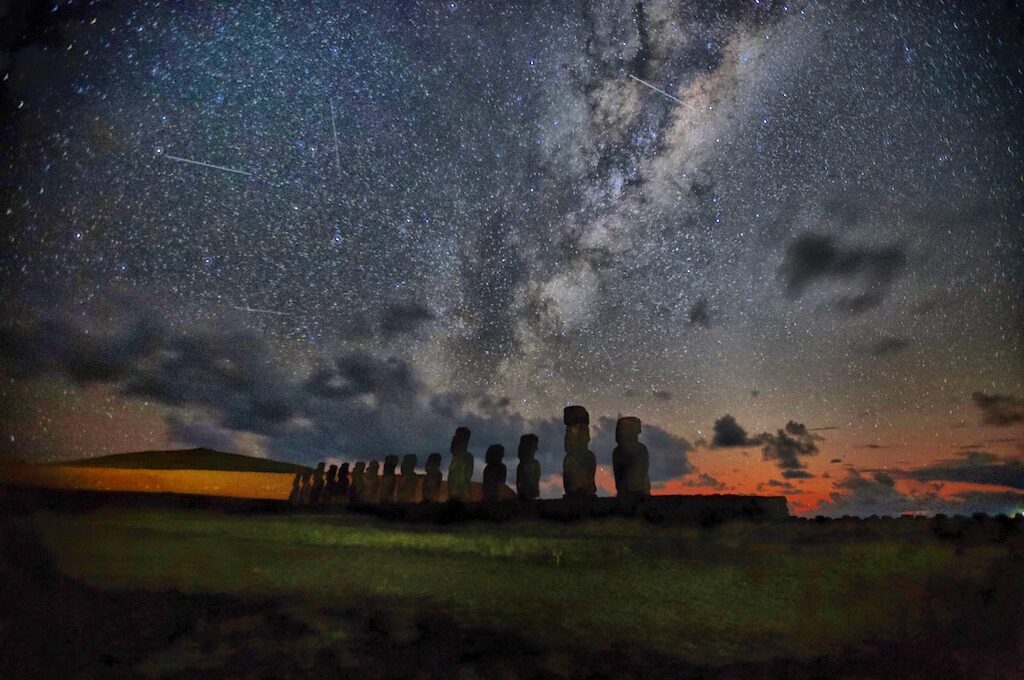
x=495, y=452
x=528, y=446
x=390, y=463
x=575, y=415
x=433, y=463
x=409, y=464
x=627, y=427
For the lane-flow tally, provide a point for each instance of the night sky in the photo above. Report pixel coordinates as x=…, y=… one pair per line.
x=416, y=215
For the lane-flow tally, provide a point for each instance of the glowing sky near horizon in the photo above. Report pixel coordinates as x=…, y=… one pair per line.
x=371, y=224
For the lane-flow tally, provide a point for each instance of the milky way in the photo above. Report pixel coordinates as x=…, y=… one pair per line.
x=337, y=231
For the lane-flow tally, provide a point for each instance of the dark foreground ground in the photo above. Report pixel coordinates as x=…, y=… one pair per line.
x=123, y=591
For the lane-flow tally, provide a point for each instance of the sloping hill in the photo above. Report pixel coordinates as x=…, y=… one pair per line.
x=186, y=459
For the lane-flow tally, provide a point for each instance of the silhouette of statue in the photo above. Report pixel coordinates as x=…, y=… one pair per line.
x=296, y=493
x=432, y=478
x=318, y=484
x=371, y=489
x=495, y=472
x=460, y=470
x=580, y=464
x=330, y=486
x=341, y=489
x=630, y=460
x=388, y=482
x=355, y=487
x=409, y=480
x=307, y=487
x=528, y=472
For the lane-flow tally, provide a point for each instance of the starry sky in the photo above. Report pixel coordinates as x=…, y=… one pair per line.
x=788, y=236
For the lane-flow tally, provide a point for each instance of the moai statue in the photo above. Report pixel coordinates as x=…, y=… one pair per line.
x=296, y=493
x=341, y=488
x=432, y=479
x=495, y=472
x=630, y=460
x=388, y=482
x=318, y=484
x=409, y=480
x=307, y=488
x=330, y=486
x=528, y=472
x=371, y=488
x=355, y=487
x=460, y=470
x=580, y=464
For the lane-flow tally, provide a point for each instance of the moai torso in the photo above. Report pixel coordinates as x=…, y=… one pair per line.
x=388, y=481
x=408, y=481
x=432, y=478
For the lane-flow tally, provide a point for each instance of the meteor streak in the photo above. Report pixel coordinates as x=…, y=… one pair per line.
x=205, y=165
x=678, y=101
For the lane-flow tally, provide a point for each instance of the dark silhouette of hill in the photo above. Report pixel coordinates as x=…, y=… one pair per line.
x=186, y=459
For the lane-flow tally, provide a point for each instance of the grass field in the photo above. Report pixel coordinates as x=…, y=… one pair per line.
x=740, y=593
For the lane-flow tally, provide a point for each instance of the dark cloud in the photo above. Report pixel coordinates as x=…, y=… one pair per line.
x=836, y=460
x=888, y=346
x=976, y=467
x=220, y=384
x=861, y=496
x=404, y=317
x=999, y=409
x=797, y=474
x=729, y=433
x=663, y=395
x=787, y=445
x=704, y=480
x=812, y=258
x=699, y=313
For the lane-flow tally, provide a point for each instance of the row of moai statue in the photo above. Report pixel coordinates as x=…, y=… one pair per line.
x=368, y=484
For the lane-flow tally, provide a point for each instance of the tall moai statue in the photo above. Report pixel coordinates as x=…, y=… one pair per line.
x=432, y=479
x=307, y=487
x=528, y=471
x=580, y=464
x=388, y=482
x=460, y=470
x=296, y=494
x=630, y=460
x=409, y=480
x=371, y=487
x=330, y=486
x=357, y=483
x=341, y=489
x=318, y=484
x=495, y=472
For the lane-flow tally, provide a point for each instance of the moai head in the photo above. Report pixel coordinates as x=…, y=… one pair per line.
x=433, y=463
x=320, y=469
x=343, y=470
x=373, y=469
x=331, y=471
x=408, y=464
x=577, y=429
x=460, y=442
x=298, y=480
x=390, y=463
x=495, y=452
x=627, y=430
x=359, y=468
x=527, y=446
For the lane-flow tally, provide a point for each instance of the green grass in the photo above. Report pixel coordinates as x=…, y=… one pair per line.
x=185, y=459
x=740, y=592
